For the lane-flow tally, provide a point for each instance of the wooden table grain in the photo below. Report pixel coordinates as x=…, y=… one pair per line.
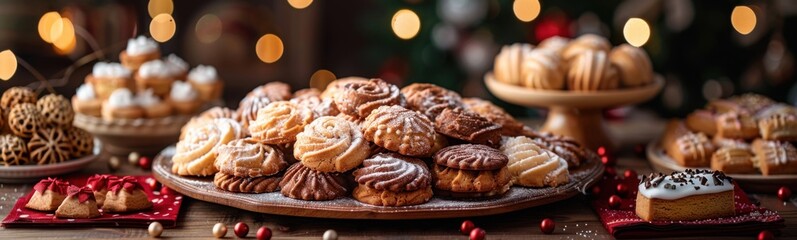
x=574, y=218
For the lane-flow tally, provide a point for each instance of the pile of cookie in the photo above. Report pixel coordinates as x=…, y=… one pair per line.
x=744, y=134
x=145, y=86
x=399, y=146
x=587, y=63
x=110, y=193
x=39, y=130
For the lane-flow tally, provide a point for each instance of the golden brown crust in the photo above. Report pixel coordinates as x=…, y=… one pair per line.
x=468, y=126
x=633, y=65
x=24, y=119
x=778, y=127
x=470, y=181
x=496, y=114
x=737, y=125
x=358, y=99
x=16, y=95
x=697, y=207
x=692, y=150
x=702, y=121
x=56, y=110
x=49, y=146
x=775, y=157
x=732, y=160
x=401, y=130
x=376, y=197
x=304, y=183
x=13, y=151
x=247, y=184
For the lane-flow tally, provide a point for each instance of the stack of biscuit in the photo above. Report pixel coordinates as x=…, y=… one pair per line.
x=370, y=140
x=744, y=134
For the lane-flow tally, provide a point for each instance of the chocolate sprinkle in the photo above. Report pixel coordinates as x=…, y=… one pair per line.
x=681, y=178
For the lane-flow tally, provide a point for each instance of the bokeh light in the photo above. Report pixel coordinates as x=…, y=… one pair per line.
x=300, y=4
x=157, y=7
x=46, y=24
x=63, y=35
x=636, y=32
x=162, y=27
x=321, y=78
x=743, y=19
x=406, y=24
x=208, y=28
x=526, y=10
x=8, y=64
x=269, y=48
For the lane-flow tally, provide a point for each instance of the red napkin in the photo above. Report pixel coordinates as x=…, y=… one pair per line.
x=165, y=208
x=624, y=223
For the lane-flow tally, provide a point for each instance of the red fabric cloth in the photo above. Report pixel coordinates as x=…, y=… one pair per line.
x=624, y=223
x=165, y=208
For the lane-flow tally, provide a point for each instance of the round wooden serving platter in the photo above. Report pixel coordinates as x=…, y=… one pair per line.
x=749, y=182
x=348, y=208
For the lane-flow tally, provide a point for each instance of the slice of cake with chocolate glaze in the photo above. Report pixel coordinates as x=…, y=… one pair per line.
x=688, y=195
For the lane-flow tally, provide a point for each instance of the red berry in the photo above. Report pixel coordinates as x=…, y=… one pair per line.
x=622, y=189
x=596, y=190
x=466, y=227
x=610, y=172
x=601, y=151
x=477, y=234
x=615, y=201
x=765, y=235
x=629, y=174
x=241, y=229
x=165, y=190
x=547, y=226
x=607, y=161
x=784, y=193
x=264, y=233
x=145, y=163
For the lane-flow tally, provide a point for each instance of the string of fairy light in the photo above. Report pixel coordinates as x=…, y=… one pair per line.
x=59, y=31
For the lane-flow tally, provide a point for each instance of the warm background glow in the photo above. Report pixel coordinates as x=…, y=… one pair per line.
x=208, y=28
x=8, y=65
x=636, y=32
x=63, y=35
x=526, y=10
x=46, y=24
x=269, y=48
x=406, y=24
x=321, y=78
x=162, y=27
x=157, y=7
x=743, y=19
x=300, y=4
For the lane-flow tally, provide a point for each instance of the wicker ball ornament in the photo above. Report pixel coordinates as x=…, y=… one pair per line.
x=49, y=146
x=13, y=151
x=56, y=110
x=82, y=142
x=24, y=119
x=16, y=95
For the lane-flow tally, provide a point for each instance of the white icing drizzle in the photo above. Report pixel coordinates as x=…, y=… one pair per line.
x=86, y=92
x=109, y=70
x=147, y=98
x=203, y=74
x=178, y=64
x=121, y=97
x=141, y=45
x=695, y=187
x=182, y=91
x=156, y=68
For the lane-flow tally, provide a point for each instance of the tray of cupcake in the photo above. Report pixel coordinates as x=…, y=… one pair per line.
x=37, y=138
x=142, y=102
x=365, y=149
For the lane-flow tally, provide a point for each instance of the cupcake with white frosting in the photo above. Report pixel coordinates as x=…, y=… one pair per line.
x=184, y=98
x=139, y=50
x=107, y=77
x=86, y=102
x=157, y=75
x=121, y=105
x=206, y=81
x=152, y=105
x=178, y=65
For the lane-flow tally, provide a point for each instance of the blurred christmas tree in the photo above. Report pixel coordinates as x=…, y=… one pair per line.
x=704, y=49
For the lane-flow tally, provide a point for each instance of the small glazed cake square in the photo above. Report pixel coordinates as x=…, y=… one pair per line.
x=733, y=160
x=778, y=127
x=684, y=196
x=702, y=121
x=737, y=125
x=775, y=157
x=692, y=150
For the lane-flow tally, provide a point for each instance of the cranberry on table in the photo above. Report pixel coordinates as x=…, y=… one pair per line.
x=466, y=227
x=765, y=235
x=477, y=234
x=629, y=174
x=622, y=189
x=241, y=229
x=784, y=193
x=264, y=233
x=615, y=201
x=547, y=226
x=145, y=163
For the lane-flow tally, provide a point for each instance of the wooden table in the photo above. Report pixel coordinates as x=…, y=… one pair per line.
x=574, y=218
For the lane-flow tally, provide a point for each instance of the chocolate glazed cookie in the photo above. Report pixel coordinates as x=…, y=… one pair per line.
x=389, y=179
x=465, y=125
x=471, y=157
x=304, y=183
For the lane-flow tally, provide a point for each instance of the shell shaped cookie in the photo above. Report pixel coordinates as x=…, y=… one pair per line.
x=358, y=99
x=196, y=153
x=508, y=63
x=393, y=172
x=471, y=157
x=592, y=71
x=496, y=114
x=468, y=126
x=533, y=166
x=249, y=158
x=331, y=144
x=400, y=130
x=280, y=122
x=430, y=99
